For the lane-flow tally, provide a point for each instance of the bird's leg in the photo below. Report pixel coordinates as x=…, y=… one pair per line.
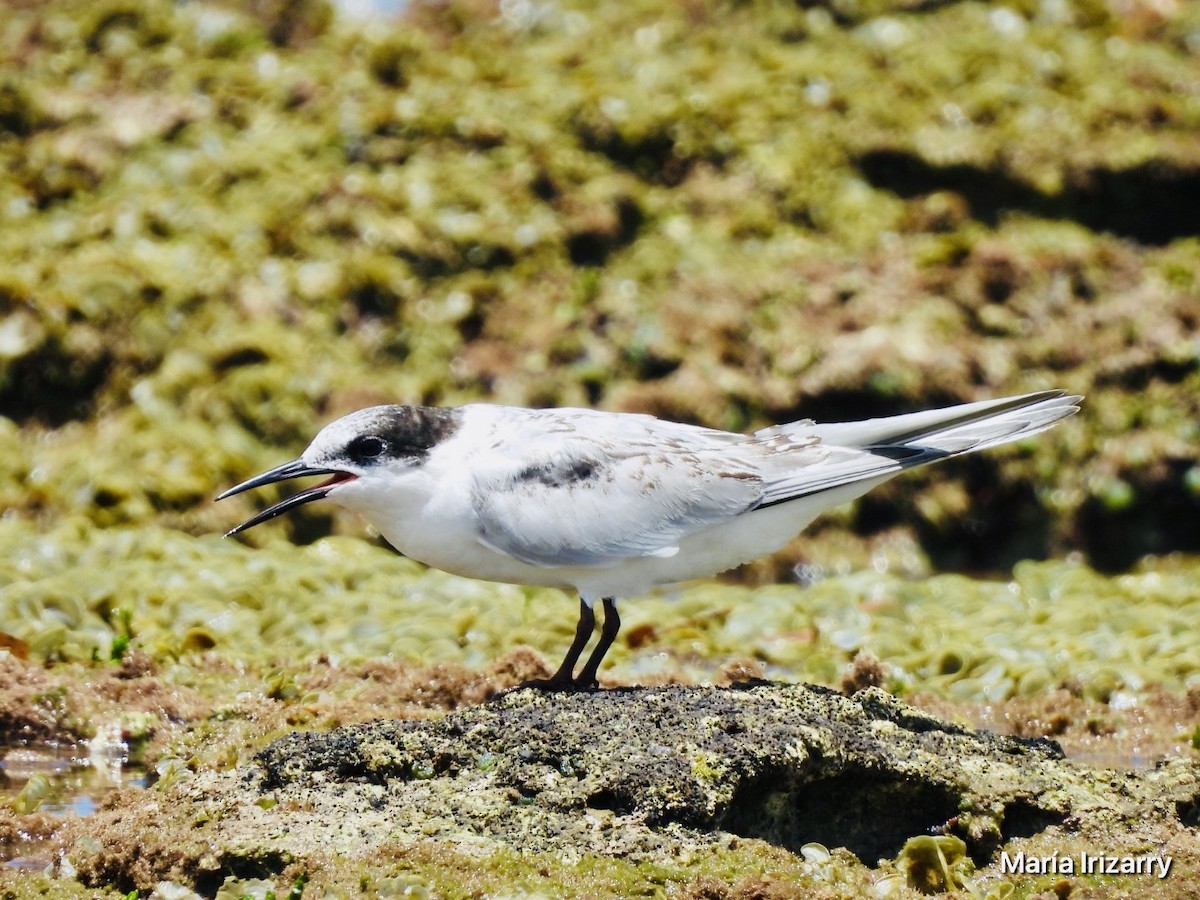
x=562, y=680
x=583, y=631
x=608, y=633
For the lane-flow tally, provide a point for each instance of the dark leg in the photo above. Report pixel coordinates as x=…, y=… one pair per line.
x=583, y=631
x=608, y=634
x=562, y=680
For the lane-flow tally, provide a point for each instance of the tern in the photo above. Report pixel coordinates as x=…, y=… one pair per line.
x=610, y=504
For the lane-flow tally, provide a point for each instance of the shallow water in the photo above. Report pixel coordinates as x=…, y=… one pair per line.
x=60, y=779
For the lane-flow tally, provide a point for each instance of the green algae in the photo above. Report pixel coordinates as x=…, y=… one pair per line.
x=739, y=869
x=935, y=864
x=76, y=594
x=37, y=886
x=231, y=224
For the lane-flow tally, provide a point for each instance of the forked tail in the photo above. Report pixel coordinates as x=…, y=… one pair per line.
x=956, y=429
x=871, y=451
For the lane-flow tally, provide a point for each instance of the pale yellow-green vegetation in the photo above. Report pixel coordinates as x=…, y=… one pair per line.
x=70, y=597
x=224, y=229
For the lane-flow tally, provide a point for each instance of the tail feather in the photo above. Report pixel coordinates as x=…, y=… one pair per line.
x=874, y=450
x=969, y=426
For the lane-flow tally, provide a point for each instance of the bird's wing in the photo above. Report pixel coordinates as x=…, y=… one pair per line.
x=825, y=468
x=592, y=500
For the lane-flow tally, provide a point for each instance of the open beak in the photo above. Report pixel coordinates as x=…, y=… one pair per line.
x=295, y=469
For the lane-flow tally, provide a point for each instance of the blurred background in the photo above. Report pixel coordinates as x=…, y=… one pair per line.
x=223, y=224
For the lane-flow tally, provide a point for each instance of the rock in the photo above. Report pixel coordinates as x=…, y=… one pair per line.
x=790, y=764
x=641, y=775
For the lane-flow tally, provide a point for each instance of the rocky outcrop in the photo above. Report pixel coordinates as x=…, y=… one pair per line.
x=639, y=774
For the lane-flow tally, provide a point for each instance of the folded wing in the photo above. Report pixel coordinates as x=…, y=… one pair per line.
x=597, y=502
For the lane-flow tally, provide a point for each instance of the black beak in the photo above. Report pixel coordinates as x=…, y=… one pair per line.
x=295, y=469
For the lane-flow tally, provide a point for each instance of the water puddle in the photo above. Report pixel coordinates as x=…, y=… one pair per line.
x=60, y=779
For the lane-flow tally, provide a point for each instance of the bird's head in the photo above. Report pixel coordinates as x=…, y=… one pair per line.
x=382, y=443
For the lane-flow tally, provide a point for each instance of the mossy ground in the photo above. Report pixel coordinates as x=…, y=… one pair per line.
x=225, y=223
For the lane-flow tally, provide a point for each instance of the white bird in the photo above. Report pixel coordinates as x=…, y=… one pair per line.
x=613, y=504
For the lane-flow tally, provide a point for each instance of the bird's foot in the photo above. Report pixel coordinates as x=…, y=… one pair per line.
x=554, y=684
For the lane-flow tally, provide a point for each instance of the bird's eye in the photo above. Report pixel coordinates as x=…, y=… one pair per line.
x=366, y=447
